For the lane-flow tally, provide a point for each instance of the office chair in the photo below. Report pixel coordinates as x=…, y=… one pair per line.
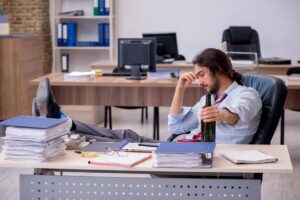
x=241, y=39
x=273, y=93
x=108, y=114
x=290, y=71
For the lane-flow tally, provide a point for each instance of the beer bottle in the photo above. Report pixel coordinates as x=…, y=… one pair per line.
x=208, y=129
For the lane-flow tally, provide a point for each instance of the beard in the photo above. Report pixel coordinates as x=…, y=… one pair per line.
x=215, y=86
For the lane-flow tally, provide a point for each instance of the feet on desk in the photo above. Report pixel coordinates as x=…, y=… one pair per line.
x=44, y=103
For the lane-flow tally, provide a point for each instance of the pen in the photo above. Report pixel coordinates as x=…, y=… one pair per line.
x=148, y=145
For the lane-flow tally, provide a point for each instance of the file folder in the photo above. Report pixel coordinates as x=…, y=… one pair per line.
x=96, y=8
x=65, y=34
x=65, y=62
x=71, y=34
x=59, y=34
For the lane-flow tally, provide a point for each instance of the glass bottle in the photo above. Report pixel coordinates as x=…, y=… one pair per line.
x=208, y=129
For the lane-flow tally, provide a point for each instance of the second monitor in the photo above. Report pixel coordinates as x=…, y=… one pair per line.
x=166, y=46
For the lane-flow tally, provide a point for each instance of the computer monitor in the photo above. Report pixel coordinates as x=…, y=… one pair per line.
x=166, y=44
x=136, y=55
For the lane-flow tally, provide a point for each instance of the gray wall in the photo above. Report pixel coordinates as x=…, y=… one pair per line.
x=199, y=24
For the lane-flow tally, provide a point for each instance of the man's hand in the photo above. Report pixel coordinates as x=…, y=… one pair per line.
x=186, y=79
x=210, y=114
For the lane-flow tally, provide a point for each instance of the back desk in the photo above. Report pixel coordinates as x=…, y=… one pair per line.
x=117, y=91
x=184, y=66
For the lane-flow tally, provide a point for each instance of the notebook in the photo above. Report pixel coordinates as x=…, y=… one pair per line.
x=101, y=146
x=248, y=157
x=130, y=160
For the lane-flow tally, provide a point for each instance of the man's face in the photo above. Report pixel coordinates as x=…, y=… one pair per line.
x=207, y=80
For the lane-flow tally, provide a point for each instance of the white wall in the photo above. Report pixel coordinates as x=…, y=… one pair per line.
x=200, y=23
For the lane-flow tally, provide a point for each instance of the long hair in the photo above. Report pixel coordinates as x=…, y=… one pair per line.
x=217, y=62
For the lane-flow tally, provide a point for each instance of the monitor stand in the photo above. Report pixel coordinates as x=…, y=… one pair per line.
x=135, y=73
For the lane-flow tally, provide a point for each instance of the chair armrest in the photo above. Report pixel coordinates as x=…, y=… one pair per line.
x=174, y=136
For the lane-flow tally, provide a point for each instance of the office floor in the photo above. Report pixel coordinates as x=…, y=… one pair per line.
x=275, y=186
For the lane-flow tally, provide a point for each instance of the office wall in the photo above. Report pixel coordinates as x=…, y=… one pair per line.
x=199, y=24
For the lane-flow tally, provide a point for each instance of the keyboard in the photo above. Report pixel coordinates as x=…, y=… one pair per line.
x=122, y=74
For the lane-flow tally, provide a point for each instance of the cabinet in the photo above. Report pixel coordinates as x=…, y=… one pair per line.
x=80, y=57
x=21, y=60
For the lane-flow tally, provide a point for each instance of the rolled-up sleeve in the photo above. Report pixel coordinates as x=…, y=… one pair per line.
x=187, y=120
x=246, y=105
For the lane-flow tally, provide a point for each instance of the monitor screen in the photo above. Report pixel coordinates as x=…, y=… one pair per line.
x=166, y=44
x=136, y=52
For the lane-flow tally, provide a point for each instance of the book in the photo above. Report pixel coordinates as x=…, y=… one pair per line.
x=130, y=160
x=248, y=157
x=101, y=146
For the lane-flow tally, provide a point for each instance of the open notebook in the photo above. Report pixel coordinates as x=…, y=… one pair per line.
x=250, y=156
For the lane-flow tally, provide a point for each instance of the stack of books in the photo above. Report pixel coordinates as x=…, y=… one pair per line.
x=34, y=139
x=184, y=155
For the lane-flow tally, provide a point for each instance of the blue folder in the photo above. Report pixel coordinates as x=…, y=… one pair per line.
x=185, y=147
x=72, y=34
x=25, y=121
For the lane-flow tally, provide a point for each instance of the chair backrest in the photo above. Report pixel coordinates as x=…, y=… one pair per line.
x=241, y=39
x=273, y=93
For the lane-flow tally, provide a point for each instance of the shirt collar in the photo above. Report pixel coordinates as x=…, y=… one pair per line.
x=232, y=87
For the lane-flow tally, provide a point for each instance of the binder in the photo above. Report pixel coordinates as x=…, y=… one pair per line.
x=101, y=4
x=185, y=147
x=65, y=34
x=101, y=34
x=65, y=62
x=59, y=34
x=106, y=34
x=71, y=34
x=107, y=7
x=25, y=121
x=96, y=8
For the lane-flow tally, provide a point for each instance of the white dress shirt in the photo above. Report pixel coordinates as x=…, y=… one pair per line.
x=241, y=100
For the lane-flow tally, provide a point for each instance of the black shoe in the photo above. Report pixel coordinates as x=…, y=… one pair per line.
x=44, y=103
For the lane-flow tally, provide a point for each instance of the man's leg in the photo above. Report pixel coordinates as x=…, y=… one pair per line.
x=44, y=104
x=104, y=134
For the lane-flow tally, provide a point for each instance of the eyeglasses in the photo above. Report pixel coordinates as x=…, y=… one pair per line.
x=115, y=151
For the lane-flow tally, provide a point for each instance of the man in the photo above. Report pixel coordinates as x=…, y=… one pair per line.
x=236, y=109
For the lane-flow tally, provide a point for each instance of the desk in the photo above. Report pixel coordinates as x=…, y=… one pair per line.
x=117, y=91
x=91, y=187
x=183, y=66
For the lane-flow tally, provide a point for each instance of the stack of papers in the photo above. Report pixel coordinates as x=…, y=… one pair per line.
x=184, y=155
x=251, y=156
x=164, y=74
x=78, y=76
x=34, y=139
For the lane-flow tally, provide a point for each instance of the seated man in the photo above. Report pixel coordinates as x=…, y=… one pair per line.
x=44, y=104
x=237, y=109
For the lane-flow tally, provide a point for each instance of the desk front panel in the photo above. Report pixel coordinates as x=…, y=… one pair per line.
x=122, y=96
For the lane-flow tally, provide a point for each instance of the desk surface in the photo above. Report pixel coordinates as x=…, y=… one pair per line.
x=73, y=161
x=184, y=66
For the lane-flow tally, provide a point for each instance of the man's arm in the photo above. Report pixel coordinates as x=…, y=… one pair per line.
x=184, y=81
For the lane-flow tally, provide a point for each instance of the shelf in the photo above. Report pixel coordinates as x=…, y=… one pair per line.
x=83, y=17
x=84, y=48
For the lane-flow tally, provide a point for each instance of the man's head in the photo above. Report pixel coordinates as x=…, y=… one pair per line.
x=212, y=66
